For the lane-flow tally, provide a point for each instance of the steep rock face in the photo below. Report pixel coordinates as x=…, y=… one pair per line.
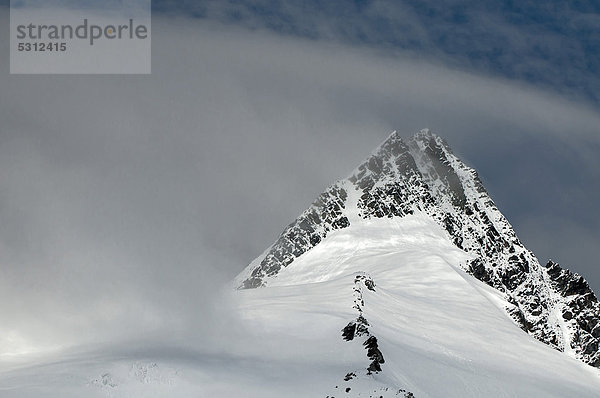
x=325, y=214
x=422, y=174
x=580, y=311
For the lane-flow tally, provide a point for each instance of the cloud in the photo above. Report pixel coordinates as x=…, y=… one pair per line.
x=127, y=202
x=551, y=44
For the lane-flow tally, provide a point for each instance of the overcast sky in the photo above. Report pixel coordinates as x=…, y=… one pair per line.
x=126, y=202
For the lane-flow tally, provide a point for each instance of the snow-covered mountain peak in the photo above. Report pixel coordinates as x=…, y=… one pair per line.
x=421, y=175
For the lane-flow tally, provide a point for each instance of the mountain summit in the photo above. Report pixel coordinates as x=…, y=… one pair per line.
x=421, y=176
x=401, y=281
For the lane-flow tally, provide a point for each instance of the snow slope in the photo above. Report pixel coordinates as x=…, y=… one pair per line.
x=441, y=332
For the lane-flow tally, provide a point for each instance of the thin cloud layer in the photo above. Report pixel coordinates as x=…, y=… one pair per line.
x=127, y=202
x=552, y=44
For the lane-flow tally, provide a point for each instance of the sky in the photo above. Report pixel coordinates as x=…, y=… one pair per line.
x=128, y=202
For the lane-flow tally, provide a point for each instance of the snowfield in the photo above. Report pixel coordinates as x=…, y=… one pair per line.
x=441, y=332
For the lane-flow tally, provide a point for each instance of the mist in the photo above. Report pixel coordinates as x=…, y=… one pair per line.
x=128, y=203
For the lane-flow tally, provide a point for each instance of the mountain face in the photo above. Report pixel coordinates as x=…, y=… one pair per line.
x=401, y=281
x=422, y=176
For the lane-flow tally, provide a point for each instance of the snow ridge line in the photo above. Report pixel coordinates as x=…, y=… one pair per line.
x=360, y=326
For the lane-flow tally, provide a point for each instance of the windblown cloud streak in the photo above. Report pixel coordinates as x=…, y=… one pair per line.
x=126, y=202
x=553, y=44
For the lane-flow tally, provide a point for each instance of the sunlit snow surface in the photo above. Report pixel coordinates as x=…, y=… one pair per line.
x=442, y=333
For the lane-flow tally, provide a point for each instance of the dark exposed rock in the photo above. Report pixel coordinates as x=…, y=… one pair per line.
x=569, y=283
x=374, y=355
x=567, y=315
x=324, y=215
x=361, y=326
x=479, y=271
x=437, y=153
x=581, y=309
x=349, y=331
x=370, y=285
x=368, y=282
